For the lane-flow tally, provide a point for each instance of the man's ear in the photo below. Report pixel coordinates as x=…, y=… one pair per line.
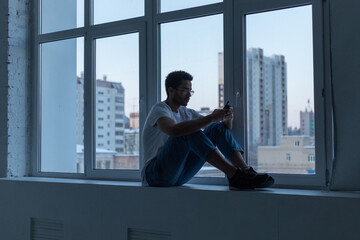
x=171, y=90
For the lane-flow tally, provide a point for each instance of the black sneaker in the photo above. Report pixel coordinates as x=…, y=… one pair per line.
x=269, y=181
x=245, y=179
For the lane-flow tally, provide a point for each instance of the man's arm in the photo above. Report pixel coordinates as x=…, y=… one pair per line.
x=168, y=126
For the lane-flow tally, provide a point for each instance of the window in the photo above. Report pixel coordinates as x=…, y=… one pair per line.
x=119, y=100
x=62, y=104
x=99, y=72
x=118, y=56
x=311, y=158
x=200, y=57
x=292, y=26
x=106, y=63
x=279, y=120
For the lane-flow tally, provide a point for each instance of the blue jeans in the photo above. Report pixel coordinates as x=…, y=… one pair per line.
x=182, y=157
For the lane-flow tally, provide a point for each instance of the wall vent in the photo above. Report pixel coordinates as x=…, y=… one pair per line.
x=143, y=234
x=46, y=229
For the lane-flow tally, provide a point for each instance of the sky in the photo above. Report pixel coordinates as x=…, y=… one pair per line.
x=193, y=45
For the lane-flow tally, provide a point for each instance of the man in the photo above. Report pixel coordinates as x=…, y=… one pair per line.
x=176, y=147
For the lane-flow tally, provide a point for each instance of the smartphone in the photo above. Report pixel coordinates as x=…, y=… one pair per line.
x=228, y=105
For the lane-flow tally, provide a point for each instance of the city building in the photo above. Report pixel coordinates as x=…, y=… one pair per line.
x=267, y=96
x=132, y=141
x=294, y=155
x=126, y=161
x=110, y=116
x=221, y=79
x=105, y=159
x=307, y=121
x=266, y=100
x=134, y=120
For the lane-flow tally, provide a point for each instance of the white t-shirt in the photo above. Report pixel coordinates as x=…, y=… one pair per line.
x=153, y=138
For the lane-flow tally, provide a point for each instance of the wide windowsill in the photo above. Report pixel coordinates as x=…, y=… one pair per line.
x=195, y=187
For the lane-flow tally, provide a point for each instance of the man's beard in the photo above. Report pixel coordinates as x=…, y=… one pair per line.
x=179, y=100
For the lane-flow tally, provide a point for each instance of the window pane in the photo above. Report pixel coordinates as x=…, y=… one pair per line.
x=280, y=91
x=115, y=10
x=171, y=5
x=196, y=46
x=61, y=15
x=117, y=102
x=62, y=106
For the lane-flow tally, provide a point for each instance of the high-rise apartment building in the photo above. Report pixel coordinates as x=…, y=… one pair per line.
x=266, y=97
x=307, y=122
x=266, y=100
x=221, y=79
x=110, y=116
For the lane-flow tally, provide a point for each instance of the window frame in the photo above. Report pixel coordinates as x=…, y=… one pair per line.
x=90, y=33
x=148, y=27
x=242, y=8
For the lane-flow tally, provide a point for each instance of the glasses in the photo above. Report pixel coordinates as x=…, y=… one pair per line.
x=186, y=91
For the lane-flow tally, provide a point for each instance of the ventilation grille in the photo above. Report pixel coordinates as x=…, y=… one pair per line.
x=142, y=234
x=46, y=229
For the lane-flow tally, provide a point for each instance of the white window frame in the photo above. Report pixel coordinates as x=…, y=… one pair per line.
x=148, y=26
x=90, y=33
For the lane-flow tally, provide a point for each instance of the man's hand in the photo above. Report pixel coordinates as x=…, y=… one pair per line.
x=229, y=119
x=219, y=115
x=230, y=114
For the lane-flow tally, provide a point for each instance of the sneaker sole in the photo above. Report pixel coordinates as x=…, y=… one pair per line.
x=269, y=181
x=238, y=188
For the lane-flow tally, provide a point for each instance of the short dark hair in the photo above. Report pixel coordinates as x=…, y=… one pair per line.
x=174, y=79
